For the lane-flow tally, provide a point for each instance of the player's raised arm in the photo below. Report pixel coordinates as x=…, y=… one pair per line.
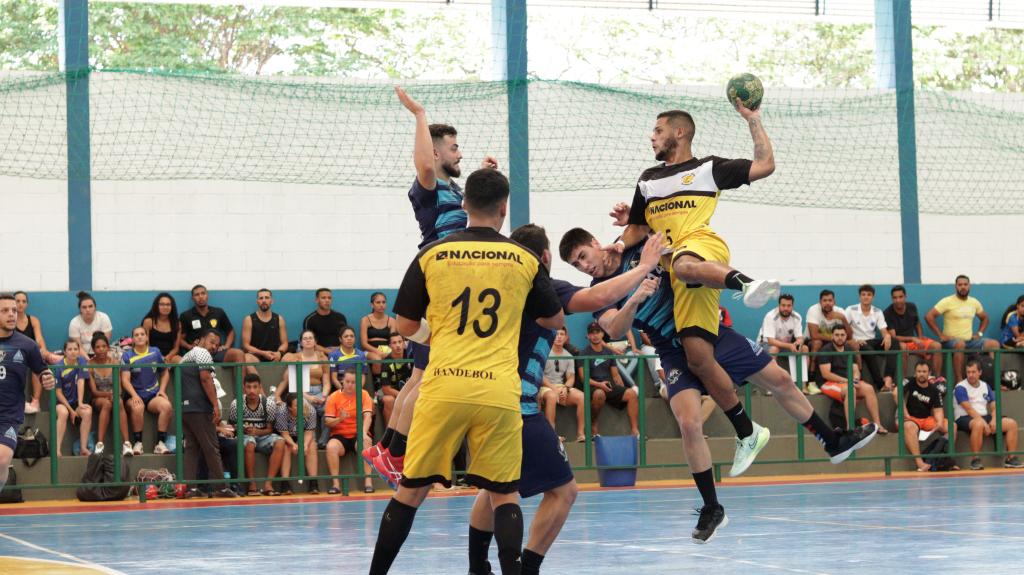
x=764, y=158
x=608, y=292
x=616, y=323
x=423, y=149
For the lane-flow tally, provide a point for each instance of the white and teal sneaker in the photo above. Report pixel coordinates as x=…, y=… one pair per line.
x=747, y=450
x=759, y=292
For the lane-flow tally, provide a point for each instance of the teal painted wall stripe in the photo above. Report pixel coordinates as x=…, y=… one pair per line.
x=76, y=58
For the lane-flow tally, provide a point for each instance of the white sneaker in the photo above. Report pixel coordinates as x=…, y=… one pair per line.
x=98, y=448
x=747, y=450
x=137, y=448
x=161, y=449
x=759, y=292
x=126, y=449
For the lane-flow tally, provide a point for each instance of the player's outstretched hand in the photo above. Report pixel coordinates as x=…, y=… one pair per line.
x=744, y=111
x=490, y=162
x=615, y=248
x=620, y=214
x=407, y=101
x=46, y=378
x=651, y=254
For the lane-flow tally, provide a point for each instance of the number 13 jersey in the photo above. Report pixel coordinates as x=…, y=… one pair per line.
x=474, y=287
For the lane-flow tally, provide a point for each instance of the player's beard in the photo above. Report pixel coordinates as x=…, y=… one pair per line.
x=785, y=313
x=666, y=151
x=452, y=170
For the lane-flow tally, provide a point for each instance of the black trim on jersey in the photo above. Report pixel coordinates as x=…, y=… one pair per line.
x=695, y=331
x=678, y=255
x=494, y=486
x=697, y=193
x=416, y=482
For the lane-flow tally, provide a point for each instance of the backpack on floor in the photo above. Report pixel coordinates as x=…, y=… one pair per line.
x=10, y=493
x=32, y=446
x=100, y=469
x=936, y=453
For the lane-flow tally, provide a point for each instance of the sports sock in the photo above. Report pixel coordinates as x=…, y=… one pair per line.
x=508, y=533
x=740, y=420
x=705, y=481
x=136, y=437
x=479, y=543
x=385, y=439
x=397, y=447
x=395, y=525
x=161, y=436
x=735, y=280
x=825, y=434
x=531, y=562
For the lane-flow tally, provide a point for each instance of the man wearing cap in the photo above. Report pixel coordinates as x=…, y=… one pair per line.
x=606, y=384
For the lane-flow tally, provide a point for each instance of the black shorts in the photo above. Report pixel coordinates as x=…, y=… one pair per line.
x=9, y=432
x=614, y=397
x=145, y=400
x=963, y=423
x=545, y=465
x=420, y=355
x=348, y=443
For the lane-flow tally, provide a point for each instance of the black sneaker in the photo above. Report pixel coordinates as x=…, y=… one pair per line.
x=851, y=440
x=711, y=518
x=1013, y=462
x=225, y=493
x=486, y=571
x=976, y=464
x=195, y=494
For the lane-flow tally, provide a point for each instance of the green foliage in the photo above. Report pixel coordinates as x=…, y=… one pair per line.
x=28, y=35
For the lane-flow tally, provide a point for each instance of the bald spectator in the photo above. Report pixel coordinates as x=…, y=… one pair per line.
x=958, y=312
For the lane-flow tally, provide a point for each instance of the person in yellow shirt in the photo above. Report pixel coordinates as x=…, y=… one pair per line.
x=958, y=312
x=467, y=294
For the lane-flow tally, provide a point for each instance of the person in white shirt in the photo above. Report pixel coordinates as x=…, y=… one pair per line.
x=559, y=384
x=88, y=321
x=872, y=334
x=975, y=406
x=822, y=319
x=782, y=331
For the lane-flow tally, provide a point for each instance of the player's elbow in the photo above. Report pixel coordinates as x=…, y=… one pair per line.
x=552, y=322
x=407, y=327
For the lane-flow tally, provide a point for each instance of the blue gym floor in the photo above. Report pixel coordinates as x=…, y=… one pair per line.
x=940, y=525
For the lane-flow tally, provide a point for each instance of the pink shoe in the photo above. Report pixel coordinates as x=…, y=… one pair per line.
x=389, y=468
x=371, y=452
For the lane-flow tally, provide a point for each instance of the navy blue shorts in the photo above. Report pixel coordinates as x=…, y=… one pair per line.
x=545, y=464
x=963, y=423
x=738, y=356
x=420, y=355
x=9, y=433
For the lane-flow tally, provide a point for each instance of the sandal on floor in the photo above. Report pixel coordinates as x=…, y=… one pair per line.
x=333, y=491
x=253, y=493
x=269, y=493
x=368, y=489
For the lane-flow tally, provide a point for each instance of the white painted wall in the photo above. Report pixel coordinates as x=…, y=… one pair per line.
x=244, y=235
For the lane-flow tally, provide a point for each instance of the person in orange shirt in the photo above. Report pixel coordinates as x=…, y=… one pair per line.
x=340, y=416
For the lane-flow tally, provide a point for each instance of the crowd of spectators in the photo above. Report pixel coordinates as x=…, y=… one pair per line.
x=814, y=353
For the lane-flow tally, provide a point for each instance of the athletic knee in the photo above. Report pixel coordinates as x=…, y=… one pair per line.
x=690, y=427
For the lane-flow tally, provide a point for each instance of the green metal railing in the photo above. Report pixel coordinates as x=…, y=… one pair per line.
x=640, y=379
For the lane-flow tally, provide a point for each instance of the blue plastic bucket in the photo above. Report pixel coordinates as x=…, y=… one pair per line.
x=616, y=451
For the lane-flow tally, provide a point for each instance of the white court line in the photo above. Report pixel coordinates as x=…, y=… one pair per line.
x=78, y=560
x=864, y=526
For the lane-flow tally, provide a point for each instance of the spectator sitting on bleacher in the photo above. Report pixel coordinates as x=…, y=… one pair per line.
x=324, y=322
x=822, y=319
x=606, y=385
x=342, y=418
x=958, y=312
x=316, y=377
x=922, y=411
x=975, y=406
x=872, y=334
x=71, y=405
x=101, y=387
x=560, y=380
x=1013, y=333
x=30, y=327
x=286, y=425
x=88, y=321
x=904, y=324
x=258, y=415
x=782, y=331
x=145, y=389
x=163, y=327
x=375, y=328
x=393, y=375
x=264, y=334
x=203, y=316
x=836, y=372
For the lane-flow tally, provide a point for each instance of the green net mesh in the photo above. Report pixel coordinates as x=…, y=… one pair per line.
x=833, y=148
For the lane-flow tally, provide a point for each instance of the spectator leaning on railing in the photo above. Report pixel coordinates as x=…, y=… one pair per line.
x=974, y=410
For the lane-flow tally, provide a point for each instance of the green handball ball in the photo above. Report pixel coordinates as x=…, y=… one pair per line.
x=747, y=87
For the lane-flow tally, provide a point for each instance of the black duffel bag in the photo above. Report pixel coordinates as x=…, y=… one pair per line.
x=100, y=469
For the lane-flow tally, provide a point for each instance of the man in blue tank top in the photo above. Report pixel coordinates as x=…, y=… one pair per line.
x=437, y=204
x=545, y=467
x=19, y=359
x=649, y=308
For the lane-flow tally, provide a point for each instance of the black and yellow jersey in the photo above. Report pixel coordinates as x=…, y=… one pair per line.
x=474, y=287
x=680, y=199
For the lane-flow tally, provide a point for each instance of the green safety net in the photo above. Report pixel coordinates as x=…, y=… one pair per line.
x=834, y=148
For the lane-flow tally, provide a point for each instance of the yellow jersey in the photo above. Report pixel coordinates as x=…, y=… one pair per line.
x=474, y=287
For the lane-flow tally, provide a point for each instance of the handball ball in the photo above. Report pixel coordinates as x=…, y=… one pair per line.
x=747, y=87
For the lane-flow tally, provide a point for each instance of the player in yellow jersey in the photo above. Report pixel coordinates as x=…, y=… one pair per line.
x=677, y=199
x=474, y=288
